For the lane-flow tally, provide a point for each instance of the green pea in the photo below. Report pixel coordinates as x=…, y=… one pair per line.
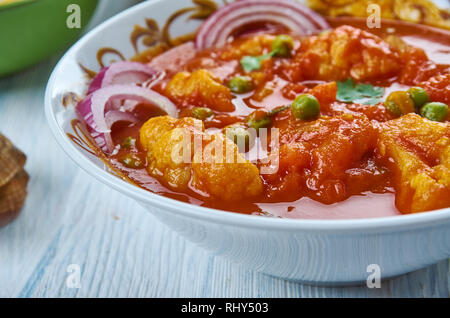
x=282, y=45
x=306, y=107
x=240, y=84
x=128, y=143
x=132, y=160
x=435, y=111
x=239, y=135
x=399, y=103
x=419, y=96
x=201, y=113
x=393, y=108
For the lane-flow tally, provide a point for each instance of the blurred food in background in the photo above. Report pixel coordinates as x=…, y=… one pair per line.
x=416, y=11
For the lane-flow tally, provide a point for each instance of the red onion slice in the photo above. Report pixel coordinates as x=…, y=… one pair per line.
x=114, y=116
x=127, y=92
x=301, y=20
x=122, y=73
x=93, y=107
x=104, y=140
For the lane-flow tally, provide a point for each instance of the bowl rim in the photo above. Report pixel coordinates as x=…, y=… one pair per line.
x=400, y=222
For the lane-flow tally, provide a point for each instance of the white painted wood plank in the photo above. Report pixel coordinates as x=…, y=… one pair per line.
x=70, y=218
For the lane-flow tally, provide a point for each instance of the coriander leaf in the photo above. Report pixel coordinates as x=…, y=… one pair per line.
x=371, y=101
x=345, y=91
x=360, y=93
x=369, y=90
x=253, y=63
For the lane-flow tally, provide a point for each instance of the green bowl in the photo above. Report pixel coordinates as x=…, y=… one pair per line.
x=32, y=30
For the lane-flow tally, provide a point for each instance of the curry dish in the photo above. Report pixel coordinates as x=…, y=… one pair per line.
x=360, y=119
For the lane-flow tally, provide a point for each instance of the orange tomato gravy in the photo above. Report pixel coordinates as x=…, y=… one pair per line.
x=362, y=205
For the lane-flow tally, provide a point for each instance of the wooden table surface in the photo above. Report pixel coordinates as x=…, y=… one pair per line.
x=121, y=250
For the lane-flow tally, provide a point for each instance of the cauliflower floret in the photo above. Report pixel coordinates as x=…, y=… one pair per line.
x=347, y=52
x=176, y=159
x=253, y=46
x=161, y=137
x=200, y=88
x=420, y=150
x=175, y=173
x=228, y=176
x=153, y=129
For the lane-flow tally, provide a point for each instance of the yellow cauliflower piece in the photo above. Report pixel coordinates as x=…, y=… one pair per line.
x=221, y=171
x=201, y=89
x=153, y=129
x=175, y=174
x=177, y=163
x=420, y=151
x=160, y=137
x=347, y=52
x=253, y=46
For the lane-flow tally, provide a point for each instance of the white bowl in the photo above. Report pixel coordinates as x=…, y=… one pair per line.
x=319, y=251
